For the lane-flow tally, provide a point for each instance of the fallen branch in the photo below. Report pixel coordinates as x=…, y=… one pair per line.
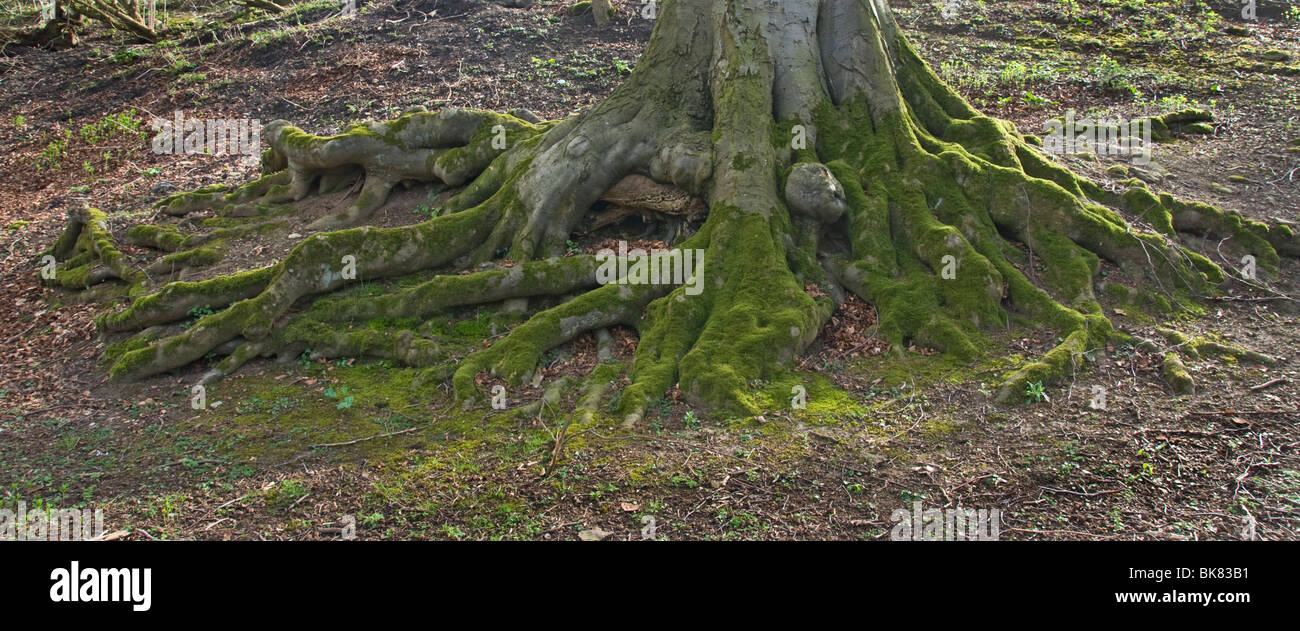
x=1268, y=384
x=362, y=440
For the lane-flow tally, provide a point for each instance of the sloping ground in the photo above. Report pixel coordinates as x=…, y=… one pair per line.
x=301, y=450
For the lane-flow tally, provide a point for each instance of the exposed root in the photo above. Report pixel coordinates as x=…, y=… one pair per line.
x=1175, y=374
x=88, y=254
x=515, y=357
x=1196, y=348
x=314, y=266
x=175, y=300
x=831, y=159
x=451, y=146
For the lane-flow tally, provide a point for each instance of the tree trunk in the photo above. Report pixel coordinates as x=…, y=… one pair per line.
x=600, y=10
x=831, y=160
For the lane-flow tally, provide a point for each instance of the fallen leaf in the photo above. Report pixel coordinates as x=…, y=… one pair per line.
x=594, y=534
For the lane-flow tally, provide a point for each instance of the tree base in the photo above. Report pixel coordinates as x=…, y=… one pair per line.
x=832, y=160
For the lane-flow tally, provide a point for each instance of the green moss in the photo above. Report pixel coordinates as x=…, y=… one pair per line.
x=114, y=352
x=1248, y=236
x=197, y=257
x=1120, y=292
x=174, y=299
x=86, y=241
x=273, y=161
x=266, y=421
x=161, y=237
x=1175, y=374
x=178, y=203
x=757, y=311
x=73, y=277
x=460, y=165
x=1143, y=203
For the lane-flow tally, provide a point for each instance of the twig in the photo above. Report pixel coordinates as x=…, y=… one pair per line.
x=21, y=334
x=1268, y=384
x=362, y=440
x=560, y=437
x=1246, y=473
x=1056, y=490
x=298, y=501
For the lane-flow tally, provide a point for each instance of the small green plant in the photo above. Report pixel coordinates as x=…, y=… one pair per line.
x=53, y=153
x=1034, y=393
x=1034, y=100
x=195, y=314
x=127, y=55
x=344, y=399
x=180, y=66
x=287, y=492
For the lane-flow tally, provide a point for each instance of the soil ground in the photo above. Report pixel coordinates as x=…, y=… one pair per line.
x=300, y=450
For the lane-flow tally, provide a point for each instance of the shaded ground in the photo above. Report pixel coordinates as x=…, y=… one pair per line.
x=286, y=451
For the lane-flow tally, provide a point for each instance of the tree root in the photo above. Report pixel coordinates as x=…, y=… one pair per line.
x=1175, y=374
x=451, y=146
x=831, y=157
x=88, y=254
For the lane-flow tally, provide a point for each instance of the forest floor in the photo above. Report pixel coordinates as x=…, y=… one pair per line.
x=304, y=450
